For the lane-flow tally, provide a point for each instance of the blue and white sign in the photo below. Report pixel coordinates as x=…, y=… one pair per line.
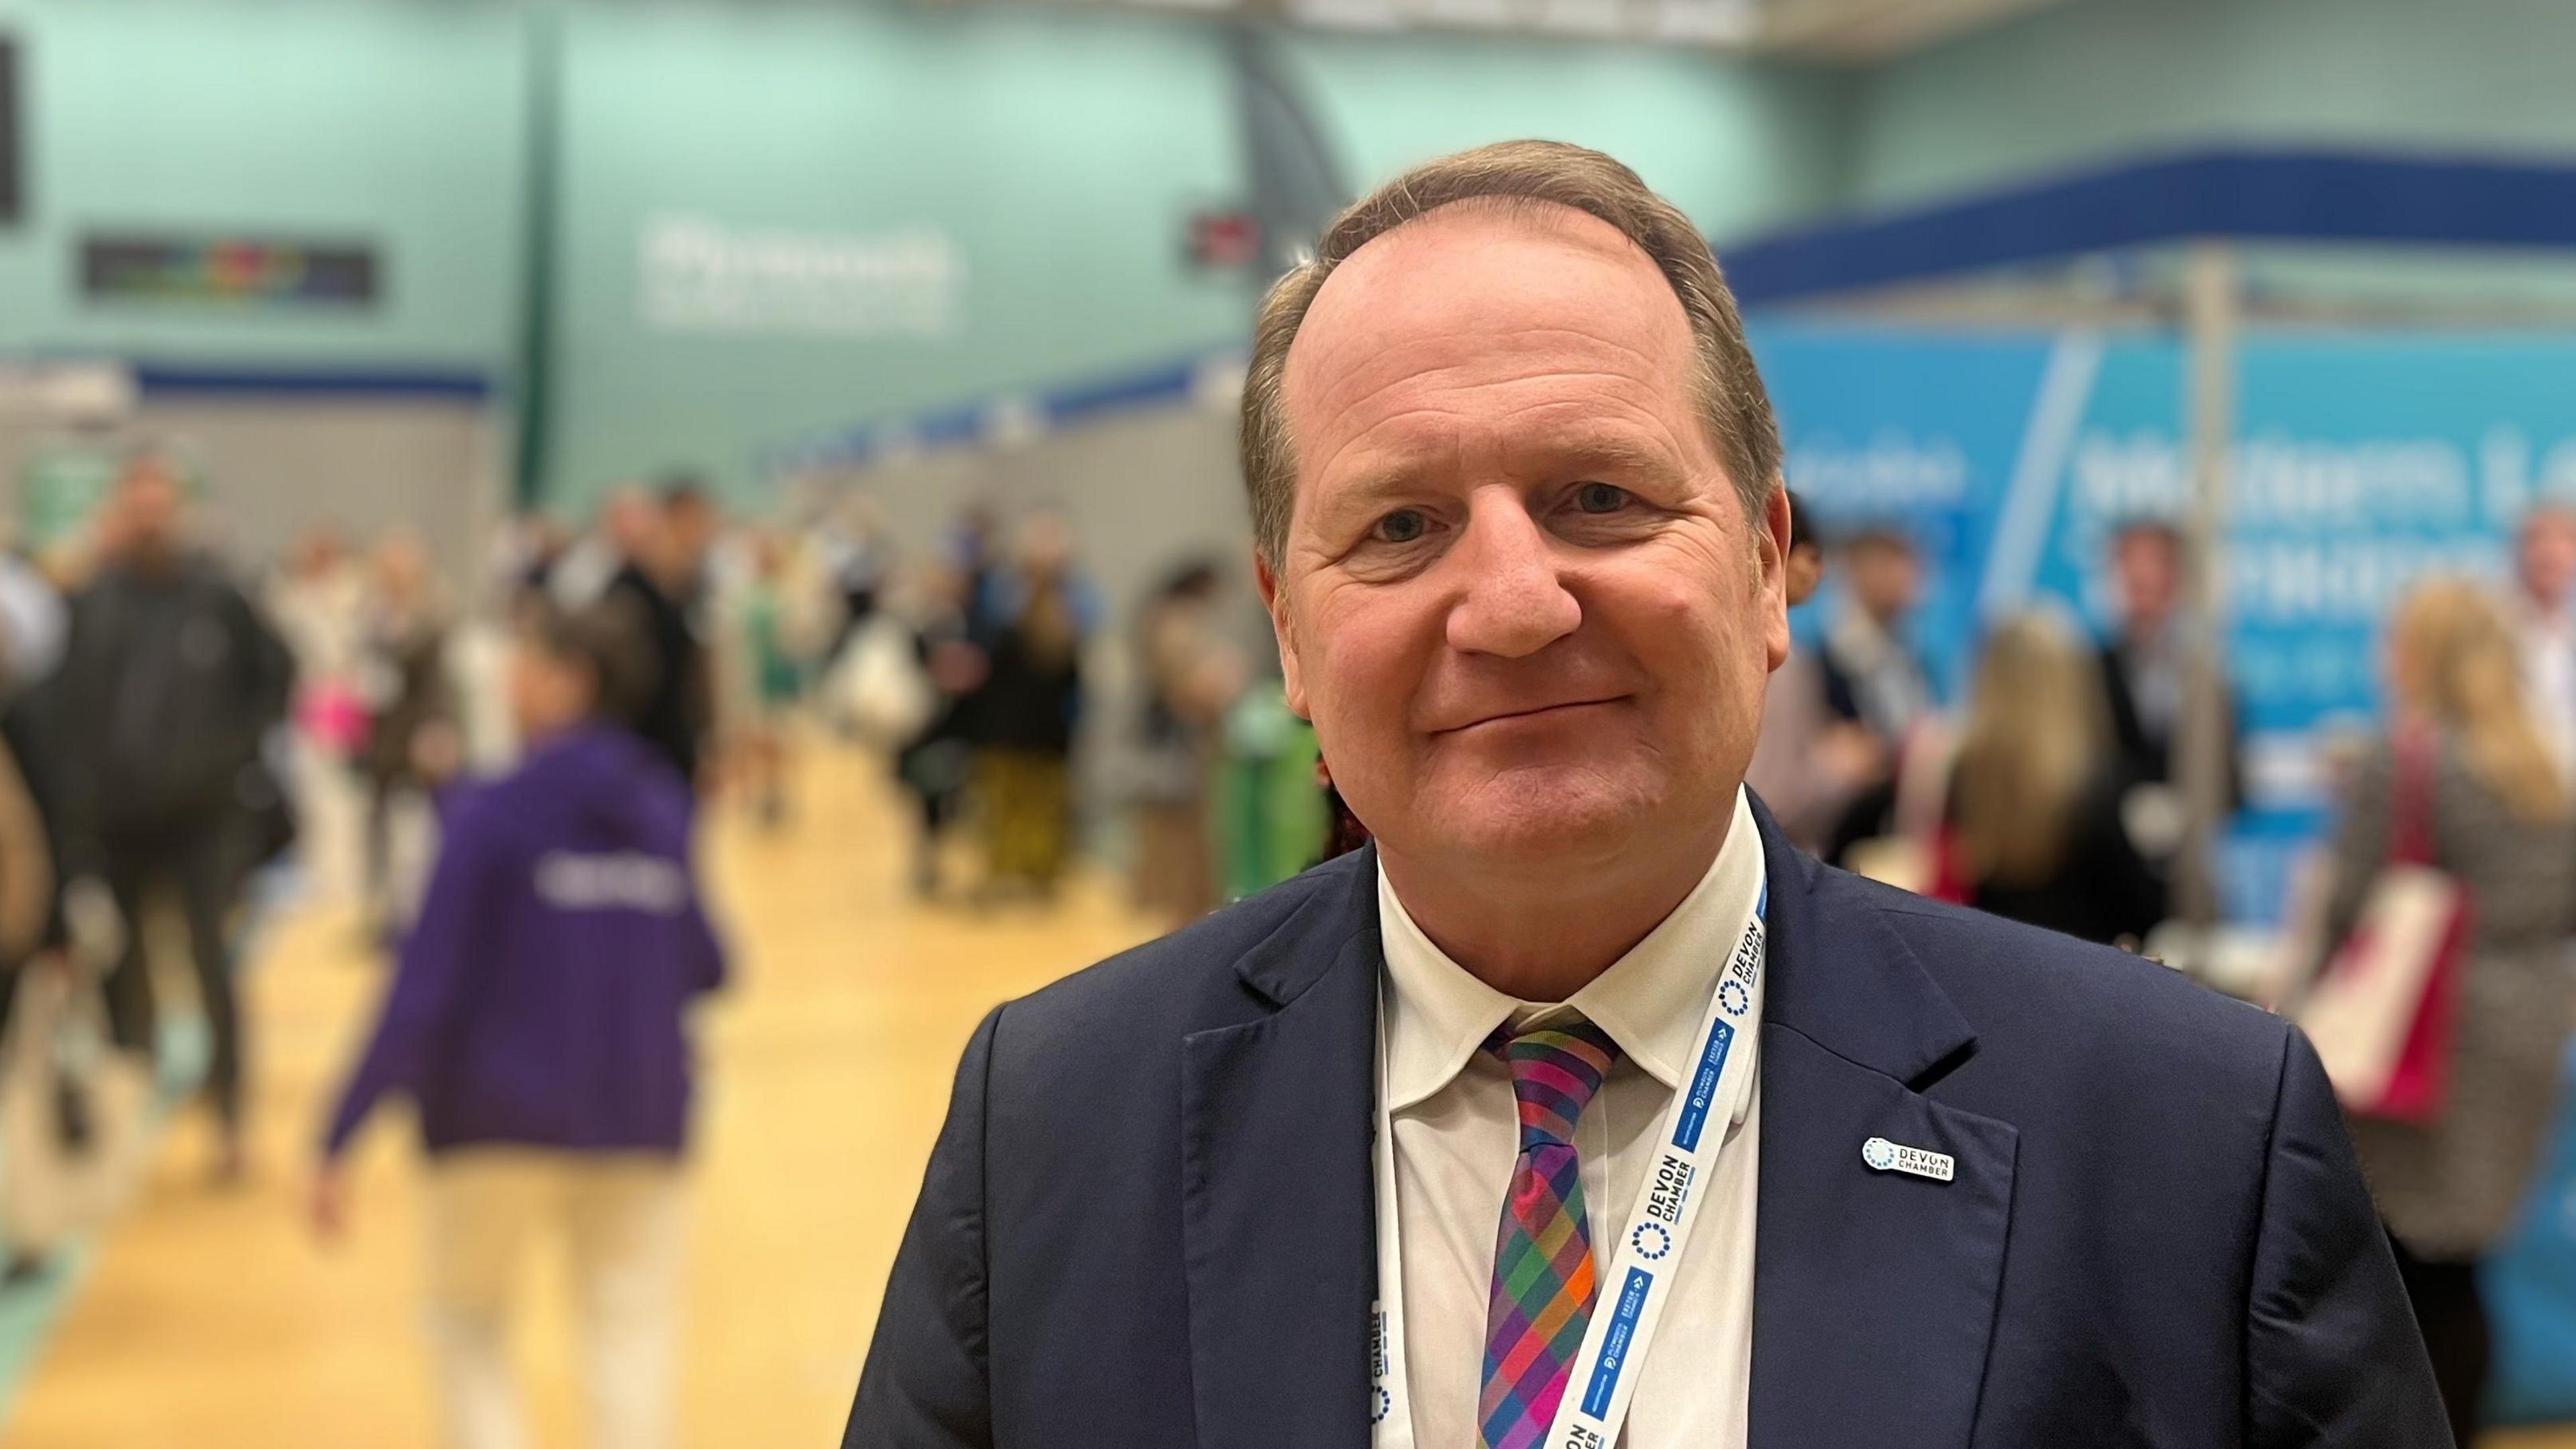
x=2364, y=461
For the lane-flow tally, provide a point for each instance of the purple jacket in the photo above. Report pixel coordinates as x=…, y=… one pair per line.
x=540, y=998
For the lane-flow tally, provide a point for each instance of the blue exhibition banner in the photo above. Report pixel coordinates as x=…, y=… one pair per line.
x=2362, y=462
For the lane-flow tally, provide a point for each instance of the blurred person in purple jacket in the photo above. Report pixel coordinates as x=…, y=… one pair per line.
x=537, y=1024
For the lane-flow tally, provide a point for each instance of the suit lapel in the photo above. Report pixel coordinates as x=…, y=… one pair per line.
x=1276, y=1216
x=1874, y=1292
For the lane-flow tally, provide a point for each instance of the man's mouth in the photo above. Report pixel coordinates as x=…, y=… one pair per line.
x=1533, y=713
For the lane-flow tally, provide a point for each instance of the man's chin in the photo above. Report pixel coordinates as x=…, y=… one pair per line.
x=1538, y=826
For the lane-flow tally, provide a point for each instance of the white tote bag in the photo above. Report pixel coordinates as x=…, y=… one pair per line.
x=883, y=692
x=2380, y=1014
x=2365, y=1007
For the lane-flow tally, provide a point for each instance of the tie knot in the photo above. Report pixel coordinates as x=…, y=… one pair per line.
x=1555, y=1072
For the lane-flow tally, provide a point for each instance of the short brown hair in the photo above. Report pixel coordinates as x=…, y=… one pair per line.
x=606, y=641
x=1533, y=175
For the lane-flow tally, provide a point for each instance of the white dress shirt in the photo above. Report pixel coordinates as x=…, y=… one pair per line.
x=1457, y=1136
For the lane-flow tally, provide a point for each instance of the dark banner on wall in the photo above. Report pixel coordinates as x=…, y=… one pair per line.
x=12, y=136
x=251, y=271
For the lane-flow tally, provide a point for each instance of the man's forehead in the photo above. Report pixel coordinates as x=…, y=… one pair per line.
x=1474, y=272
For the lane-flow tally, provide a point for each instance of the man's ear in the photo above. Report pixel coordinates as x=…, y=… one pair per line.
x=1771, y=550
x=1274, y=599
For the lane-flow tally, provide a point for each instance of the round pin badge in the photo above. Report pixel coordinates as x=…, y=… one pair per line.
x=1879, y=1153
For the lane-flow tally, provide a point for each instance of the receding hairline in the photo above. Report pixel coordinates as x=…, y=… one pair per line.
x=1534, y=213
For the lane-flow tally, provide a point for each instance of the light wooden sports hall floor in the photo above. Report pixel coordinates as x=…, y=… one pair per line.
x=213, y=1320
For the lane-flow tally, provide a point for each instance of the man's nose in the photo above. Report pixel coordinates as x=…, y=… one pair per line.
x=1511, y=601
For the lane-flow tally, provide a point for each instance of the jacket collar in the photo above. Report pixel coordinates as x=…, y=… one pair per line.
x=1842, y=979
x=1875, y=1293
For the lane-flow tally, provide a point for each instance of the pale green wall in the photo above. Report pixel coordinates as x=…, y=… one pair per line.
x=393, y=122
x=1059, y=153
x=1062, y=153
x=2108, y=77
x=1739, y=147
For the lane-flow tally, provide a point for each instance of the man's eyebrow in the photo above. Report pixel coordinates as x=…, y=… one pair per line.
x=1379, y=478
x=1617, y=450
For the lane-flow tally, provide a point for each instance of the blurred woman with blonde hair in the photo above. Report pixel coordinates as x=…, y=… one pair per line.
x=2035, y=830
x=2464, y=758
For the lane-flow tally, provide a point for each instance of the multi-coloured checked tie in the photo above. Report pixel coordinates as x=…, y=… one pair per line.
x=1544, y=1281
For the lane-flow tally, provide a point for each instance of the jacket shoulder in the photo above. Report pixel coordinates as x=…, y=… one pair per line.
x=1194, y=966
x=2054, y=1010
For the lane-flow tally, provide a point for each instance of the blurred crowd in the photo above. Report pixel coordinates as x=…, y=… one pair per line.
x=522, y=757
x=2055, y=793
x=503, y=769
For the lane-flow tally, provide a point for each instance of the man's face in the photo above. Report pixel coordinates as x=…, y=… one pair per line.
x=1884, y=578
x=689, y=529
x=2148, y=573
x=149, y=507
x=2547, y=557
x=1518, y=597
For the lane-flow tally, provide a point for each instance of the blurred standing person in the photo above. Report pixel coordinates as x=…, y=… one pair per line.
x=524, y=556
x=412, y=742
x=2034, y=810
x=621, y=534
x=776, y=670
x=47, y=1117
x=975, y=548
x=2463, y=753
x=1192, y=674
x=1873, y=676
x=170, y=681
x=1808, y=761
x=859, y=557
x=659, y=592
x=936, y=763
x=1026, y=712
x=2544, y=578
x=318, y=604
x=538, y=1022
x=2145, y=666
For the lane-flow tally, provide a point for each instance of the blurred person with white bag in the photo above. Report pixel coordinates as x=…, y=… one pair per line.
x=2465, y=769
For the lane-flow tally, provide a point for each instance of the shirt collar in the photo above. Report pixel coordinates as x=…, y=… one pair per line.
x=1650, y=1001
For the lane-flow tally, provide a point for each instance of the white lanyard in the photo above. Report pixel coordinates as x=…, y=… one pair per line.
x=1631, y=1299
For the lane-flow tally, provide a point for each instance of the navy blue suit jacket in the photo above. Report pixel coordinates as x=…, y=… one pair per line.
x=1148, y=1220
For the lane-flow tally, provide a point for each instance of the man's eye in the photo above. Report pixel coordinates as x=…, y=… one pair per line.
x=1600, y=498
x=1402, y=526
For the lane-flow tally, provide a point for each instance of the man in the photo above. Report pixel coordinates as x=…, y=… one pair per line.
x=2545, y=573
x=657, y=593
x=1874, y=680
x=1873, y=674
x=170, y=682
x=1809, y=761
x=2145, y=661
x=1514, y=482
